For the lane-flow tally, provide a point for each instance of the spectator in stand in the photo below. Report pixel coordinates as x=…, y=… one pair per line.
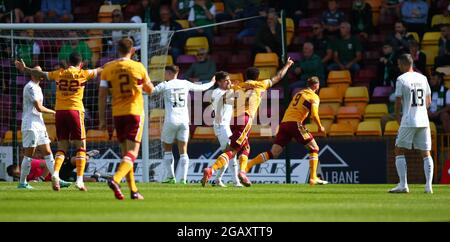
x=420, y=59
x=321, y=43
x=268, y=37
x=168, y=24
x=294, y=9
x=399, y=40
x=27, y=49
x=202, y=70
x=387, y=68
x=361, y=18
x=443, y=58
x=237, y=9
x=332, y=18
x=439, y=110
x=347, y=51
x=415, y=16
x=74, y=44
x=181, y=8
x=253, y=8
x=55, y=11
x=390, y=8
x=310, y=65
x=150, y=12
x=201, y=14
x=25, y=10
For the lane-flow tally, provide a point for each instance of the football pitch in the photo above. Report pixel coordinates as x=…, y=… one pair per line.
x=195, y=203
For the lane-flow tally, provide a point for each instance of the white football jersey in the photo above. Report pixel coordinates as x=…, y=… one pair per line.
x=175, y=94
x=31, y=118
x=413, y=88
x=222, y=106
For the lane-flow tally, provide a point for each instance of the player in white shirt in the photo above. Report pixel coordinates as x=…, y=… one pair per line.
x=222, y=104
x=34, y=132
x=176, y=119
x=413, y=96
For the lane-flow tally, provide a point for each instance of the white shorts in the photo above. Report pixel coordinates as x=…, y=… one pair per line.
x=409, y=137
x=223, y=133
x=32, y=138
x=172, y=131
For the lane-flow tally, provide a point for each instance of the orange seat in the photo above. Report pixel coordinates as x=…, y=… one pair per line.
x=8, y=137
x=331, y=96
x=326, y=112
x=348, y=112
x=341, y=129
x=202, y=132
x=155, y=130
x=339, y=77
x=369, y=128
x=97, y=135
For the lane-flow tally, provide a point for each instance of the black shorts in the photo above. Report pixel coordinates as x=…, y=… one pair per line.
x=67, y=172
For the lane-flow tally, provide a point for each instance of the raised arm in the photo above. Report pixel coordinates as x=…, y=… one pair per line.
x=281, y=73
x=20, y=65
x=202, y=87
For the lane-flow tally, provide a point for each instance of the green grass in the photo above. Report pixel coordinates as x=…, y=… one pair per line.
x=194, y=203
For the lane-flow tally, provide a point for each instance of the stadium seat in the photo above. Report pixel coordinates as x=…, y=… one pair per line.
x=267, y=61
x=350, y=114
x=439, y=19
x=236, y=77
x=330, y=96
x=51, y=131
x=157, y=114
x=260, y=132
x=341, y=129
x=155, y=130
x=433, y=129
x=9, y=136
x=95, y=45
x=381, y=94
x=105, y=12
x=431, y=52
x=97, y=135
x=183, y=22
x=220, y=7
x=314, y=129
x=375, y=111
x=369, y=128
x=391, y=128
x=340, y=80
x=357, y=96
x=326, y=123
x=431, y=38
x=160, y=61
x=326, y=112
x=376, y=5
x=414, y=35
x=202, y=132
x=194, y=43
x=290, y=29
x=264, y=74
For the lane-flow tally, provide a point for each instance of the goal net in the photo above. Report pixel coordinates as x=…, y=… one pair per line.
x=48, y=46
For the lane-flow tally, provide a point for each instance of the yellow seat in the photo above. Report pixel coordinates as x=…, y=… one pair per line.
x=431, y=52
x=341, y=129
x=183, y=22
x=220, y=7
x=339, y=77
x=314, y=130
x=391, y=128
x=51, y=131
x=414, y=35
x=326, y=123
x=439, y=19
x=375, y=111
x=331, y=96
x=369, y=128
x=49, y=118
x=326, y=111
x=375, y=4
x=194, y=43
x=266, y=60
x=447, y=84
x=160, y=61
x=357, y=96
x=433, y=129
x=349, y=114
x=236, y=77
x=157, y=114
x=105, y=12
x=290, y=29
x=97, y=135
x=9, y=136
x=202, y=132
x=264, y=74
x=431, y=38
x=260, y=131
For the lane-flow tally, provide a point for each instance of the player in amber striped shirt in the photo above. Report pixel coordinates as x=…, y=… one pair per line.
x=304, y=103
x=247, y=100
x=69, y=117
x=126, y=79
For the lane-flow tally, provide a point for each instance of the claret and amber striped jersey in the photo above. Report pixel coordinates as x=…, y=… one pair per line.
x=70, y=85
x=248, y=96
x=125, y=77
x=305, y=102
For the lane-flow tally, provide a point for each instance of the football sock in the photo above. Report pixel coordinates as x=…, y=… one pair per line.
x=59, y=160
x=243, y=159
x=184, y=159
x=124, y=167
x=221, y=171
x=235, y=169
x=428, y=166
x=49, y=161
x=221, y=161
x=80, y=162
x=168, y=164
x=25, y=168
x=313, y=161
x=261, y=158
x=400, y=163
x=131, y=181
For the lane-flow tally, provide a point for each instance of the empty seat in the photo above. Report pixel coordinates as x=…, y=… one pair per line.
x=183, y=22
x=160, y=61
x=340, y=80
x=194, y=43
x=97, y=135
x=220, y=7
x=330, y=96
x=326, y=111
x=357, y=96
x=264, y=74
x=290, y=29
x=341, y=129
x=236, y=77
x=267, y=61
x=314, y=129
x=375, y=111
x=431, y=38
x=349, y=114
x=439, y=19
x=391, y=128
x=369, y=128
x=202, y=132
x=431, y=52
x=9, y=136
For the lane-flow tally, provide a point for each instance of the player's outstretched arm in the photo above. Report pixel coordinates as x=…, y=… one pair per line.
x=102, y=94
x=281, y=73
x=20, y=65
x=148, y=87
x=40, y=108
x=202, y=87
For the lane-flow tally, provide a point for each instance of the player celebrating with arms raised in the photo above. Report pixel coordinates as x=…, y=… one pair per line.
x=305, y=102
x=127, y=79
x=176, y=118
x=247, y=100
x=414, y=98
